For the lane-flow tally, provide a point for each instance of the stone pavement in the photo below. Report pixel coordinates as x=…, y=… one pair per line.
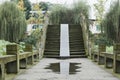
x=87, y=71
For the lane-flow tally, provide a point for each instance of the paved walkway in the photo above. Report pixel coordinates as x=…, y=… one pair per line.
x=86, y=70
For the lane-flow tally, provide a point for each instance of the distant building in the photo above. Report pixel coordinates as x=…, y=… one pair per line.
x=93, y=27
x=32, y=27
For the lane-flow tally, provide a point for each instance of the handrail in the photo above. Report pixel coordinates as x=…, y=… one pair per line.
x=85, y=33
x=16, y=61
x=108, y=60
x=43, y=36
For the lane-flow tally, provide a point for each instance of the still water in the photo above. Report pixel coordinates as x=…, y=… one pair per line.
x=64, y=68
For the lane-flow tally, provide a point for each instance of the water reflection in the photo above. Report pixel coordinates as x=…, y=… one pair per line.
x=64, y=67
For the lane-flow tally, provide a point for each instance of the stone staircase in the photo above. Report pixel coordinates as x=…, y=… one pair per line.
x=52, y=46
x=76, y=41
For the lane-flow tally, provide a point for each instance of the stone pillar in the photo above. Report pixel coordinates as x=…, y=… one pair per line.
x=12, y=67
x=36, y=57
x=95, y=57
x=108, y=63
x=28, y=48
x=116, y=63
x=23, y=63
x=101, y=59
x=2, y=74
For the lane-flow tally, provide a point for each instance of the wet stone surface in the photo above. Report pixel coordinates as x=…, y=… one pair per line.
x=67, y=69
x=64, y=67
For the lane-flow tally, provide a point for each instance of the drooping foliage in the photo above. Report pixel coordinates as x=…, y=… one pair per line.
x=62, y=14
x=80, y=8
x=111, y=23
x=57, y=14
x=12, y=22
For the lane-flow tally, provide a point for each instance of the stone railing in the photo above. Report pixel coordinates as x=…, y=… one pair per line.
x=85, y=33
x=14, y=61
x=109, y=60
x=43, y=36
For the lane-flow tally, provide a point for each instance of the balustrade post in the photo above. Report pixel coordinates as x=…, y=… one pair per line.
x=2, y=70
x=12, y=67
x=116, y=63
x=29, y=48
x=102, y=48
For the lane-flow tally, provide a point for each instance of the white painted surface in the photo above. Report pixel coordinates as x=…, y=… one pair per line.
x=64, y=40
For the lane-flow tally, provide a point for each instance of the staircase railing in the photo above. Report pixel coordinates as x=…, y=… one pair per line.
x=85, y=33
x=43, y=37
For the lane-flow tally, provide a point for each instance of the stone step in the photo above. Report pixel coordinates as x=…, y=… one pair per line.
x=72, y=41
x=76, y=46
x=76, y=43
x=71, y=56
x=52, y=39
x=57, y=42
x=76, y=37
x=51, y=46
x=53, y=35
x=52, y=32
x=77, y=53
x=52, y=43
x=51, y=53
x=77, y=50
x=52, y=49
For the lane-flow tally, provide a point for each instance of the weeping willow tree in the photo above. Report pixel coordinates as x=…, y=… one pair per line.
x=12, y=22
x=80, y=9
x=111, y=23
x=62, y=14
x=57, y=13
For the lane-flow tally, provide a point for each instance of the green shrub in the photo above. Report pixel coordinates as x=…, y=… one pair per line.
x=3, y=44
x=21, y=47
x=34, y=38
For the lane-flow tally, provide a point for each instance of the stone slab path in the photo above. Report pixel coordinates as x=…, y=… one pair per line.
x=87, y=71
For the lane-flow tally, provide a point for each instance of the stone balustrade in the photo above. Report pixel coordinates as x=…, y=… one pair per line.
x=14, y=61
x=109, y=60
